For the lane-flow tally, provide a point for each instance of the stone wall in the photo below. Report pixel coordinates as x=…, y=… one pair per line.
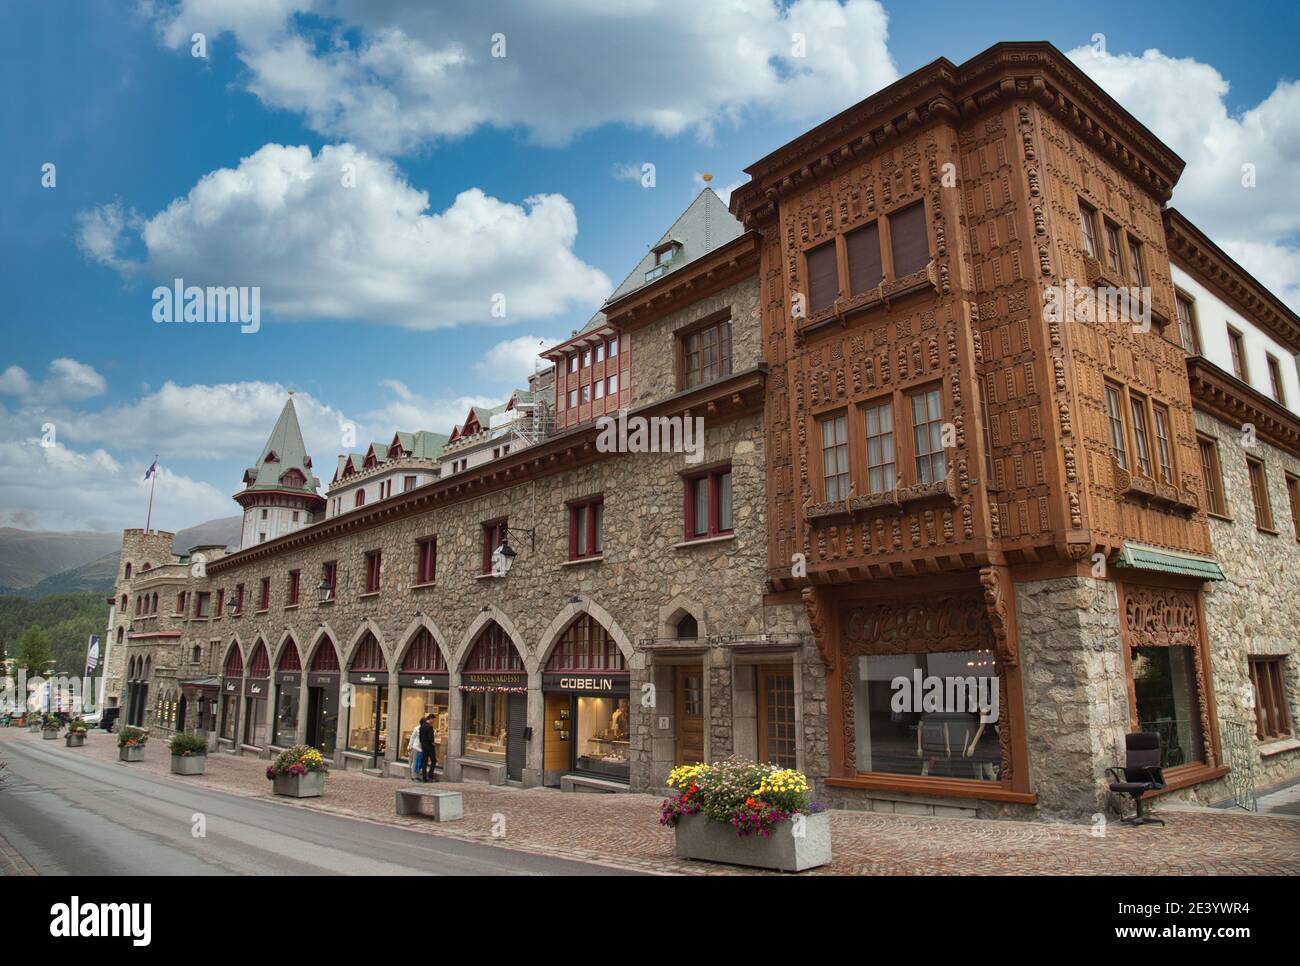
x=1256, y=610
x=654, y=357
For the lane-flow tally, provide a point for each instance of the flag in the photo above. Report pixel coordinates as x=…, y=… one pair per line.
x=153, y=468
x=92, y=654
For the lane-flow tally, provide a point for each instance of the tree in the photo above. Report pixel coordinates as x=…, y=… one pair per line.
x=34, y=650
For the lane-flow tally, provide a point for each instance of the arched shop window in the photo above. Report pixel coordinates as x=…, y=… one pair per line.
x=288, y=682
x=322, y=709
x=495, y=688
x=423, y=683
x=587, y=704
x=368, y=715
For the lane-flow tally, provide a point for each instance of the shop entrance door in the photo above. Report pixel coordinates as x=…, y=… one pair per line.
x=776, y=738
x=517, y=721
x=689, y=691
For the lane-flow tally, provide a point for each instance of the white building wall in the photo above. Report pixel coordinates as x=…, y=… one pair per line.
x=342, y=499
x=1213, y=316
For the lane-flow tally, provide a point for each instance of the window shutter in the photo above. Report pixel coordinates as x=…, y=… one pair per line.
x=823, y=278
x=865, y=272
x=909, y=242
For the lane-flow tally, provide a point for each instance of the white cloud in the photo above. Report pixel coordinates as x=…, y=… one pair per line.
x=102, y=233
x=409, y=411
x=57, y=488
x=285, y=221
x=68, y=381
x=511, y=362
x=669, y=66
x=1183, y=102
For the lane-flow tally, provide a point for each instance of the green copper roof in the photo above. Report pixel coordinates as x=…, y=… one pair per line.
x=1140, y=556
x=284, y=451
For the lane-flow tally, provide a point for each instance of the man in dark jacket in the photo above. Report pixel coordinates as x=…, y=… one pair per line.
x=428, y=748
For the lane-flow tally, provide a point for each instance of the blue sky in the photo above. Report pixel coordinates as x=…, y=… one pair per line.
x=369, y=309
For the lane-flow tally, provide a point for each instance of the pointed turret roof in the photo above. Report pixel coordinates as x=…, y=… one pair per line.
x=284, y=463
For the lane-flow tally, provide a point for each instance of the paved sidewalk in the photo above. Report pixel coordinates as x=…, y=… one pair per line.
x=624, y=830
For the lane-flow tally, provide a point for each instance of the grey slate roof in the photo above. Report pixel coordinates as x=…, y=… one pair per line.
x=706, y=224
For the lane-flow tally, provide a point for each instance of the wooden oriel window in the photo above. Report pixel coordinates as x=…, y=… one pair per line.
x=373, y=565
x=494, y=534
x=1088, y=223
x=908, y=240
x=1272, y=712
x=927, y=435
x=1136, y=272
x=586, y=528
x=1115, y=418
x=882, y=473
x=1187, y=324
x=1141, y=442
x=1237, y=343
x=835, y=456
x=295, y=587
x=823, y=277
x=705, y=354
x=1212, y=472
x=426, y=560
x=863, y=249
x=1112, y=248
x=1163, y=449
x=1293, y=498
x=1275, y=379
x=1259, y=493
x=708, y=503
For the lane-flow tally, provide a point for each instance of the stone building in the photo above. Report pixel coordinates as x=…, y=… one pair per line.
x=584, y=611
x=999, y=462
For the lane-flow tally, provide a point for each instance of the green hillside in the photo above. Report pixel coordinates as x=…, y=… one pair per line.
x=67, y=620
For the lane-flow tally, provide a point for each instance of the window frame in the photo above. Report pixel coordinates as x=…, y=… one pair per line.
x=1212, y=476
x=1268, y=683
x=373, y=571
x=493, y=531
x=1118, y=424
x=426, y=561
x=586, y=521
x=295, y=588
x=931, y=455
x=1275, y=378
x=1257, y=477
x=713, y=529
x=1189, y=327
x=722, y=346
x=1164, y=452
x=1088, y=226
x=1237, y=352
x=1293, y=500
x=839, y=419
x=1137, y=404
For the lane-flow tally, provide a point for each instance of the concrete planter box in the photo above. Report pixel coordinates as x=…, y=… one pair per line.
x=702, y=838
x=33, y=728
x=131, y=753
x=310, y=785
x=49, y=734
x=188, y=764
x=75, y=739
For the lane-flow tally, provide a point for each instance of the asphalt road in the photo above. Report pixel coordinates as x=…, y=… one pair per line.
x=77, y=816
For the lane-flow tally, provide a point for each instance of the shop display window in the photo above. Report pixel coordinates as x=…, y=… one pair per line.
x=1164, y=688
x=486, y=719
x=931, y=713
x=416, y=703
x=286, y=715
x=602, y=735
x=368, y=719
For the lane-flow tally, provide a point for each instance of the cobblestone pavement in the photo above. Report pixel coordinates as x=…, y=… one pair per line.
x=624, y=830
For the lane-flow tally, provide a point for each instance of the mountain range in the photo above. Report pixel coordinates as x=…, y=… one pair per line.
x=38, y=563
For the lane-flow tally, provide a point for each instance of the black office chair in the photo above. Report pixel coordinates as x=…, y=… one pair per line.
x=1141, y=773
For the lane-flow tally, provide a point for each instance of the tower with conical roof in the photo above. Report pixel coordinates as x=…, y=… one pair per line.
x=280, y=493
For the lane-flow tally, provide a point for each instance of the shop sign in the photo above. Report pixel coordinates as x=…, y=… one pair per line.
x=231, y=685
x=425, y=681
x=576, y=682
x=323, y=680
x=496, y=680
x=288, y=677
x=366, y=677
x=256, y=688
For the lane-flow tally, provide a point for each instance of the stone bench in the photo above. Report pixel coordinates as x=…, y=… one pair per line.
x=439, y=805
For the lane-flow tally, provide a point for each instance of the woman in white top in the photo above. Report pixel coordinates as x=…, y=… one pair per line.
x=414, y=753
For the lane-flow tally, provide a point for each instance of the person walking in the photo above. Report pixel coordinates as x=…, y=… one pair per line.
x=413, y=751
x=428, y=749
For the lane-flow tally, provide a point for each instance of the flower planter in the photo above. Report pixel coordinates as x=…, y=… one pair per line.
x=75, y=739
x=702, y=838
x=310, y=785
x=188, y=764
x=33, y=728
x=131, y=753
x=49, y=734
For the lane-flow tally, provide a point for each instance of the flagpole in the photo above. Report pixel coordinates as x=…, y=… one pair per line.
x=153, y=481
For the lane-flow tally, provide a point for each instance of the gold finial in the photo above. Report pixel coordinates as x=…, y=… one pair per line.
x=706, y=177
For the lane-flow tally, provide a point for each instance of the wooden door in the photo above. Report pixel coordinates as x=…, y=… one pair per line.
x=689, y=691
x=776, y=737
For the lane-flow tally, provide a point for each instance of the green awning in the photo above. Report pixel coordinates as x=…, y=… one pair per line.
x=1140, y=556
